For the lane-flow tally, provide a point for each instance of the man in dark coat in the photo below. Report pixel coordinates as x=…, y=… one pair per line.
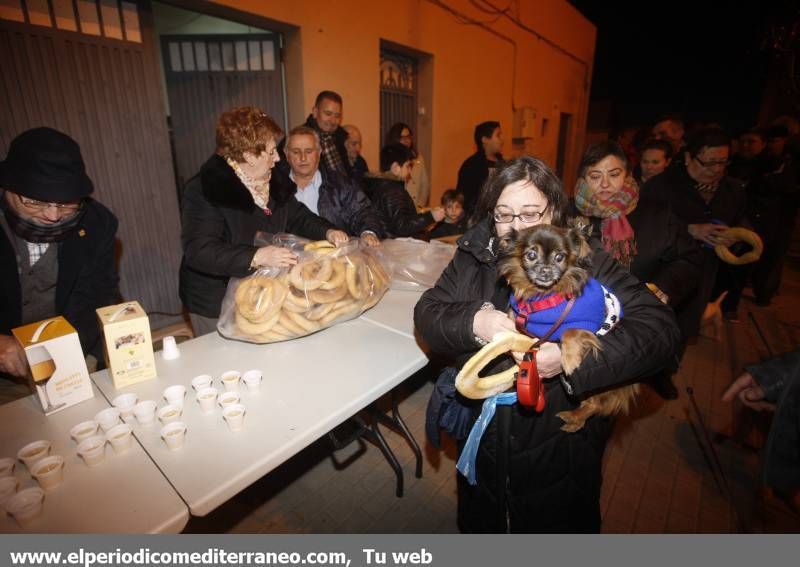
x=56, y=243
x=357, y=161
x=708, y=202
x=328, y=194
x=475, y=170
x=774, y=384
x=325, y=119
x=388, y=194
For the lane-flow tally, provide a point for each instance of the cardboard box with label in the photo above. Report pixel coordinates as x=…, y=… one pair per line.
x=58, y=367
x=128, y=344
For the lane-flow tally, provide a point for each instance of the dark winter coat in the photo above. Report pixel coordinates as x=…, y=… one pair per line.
x=220, y=221
x=343, y=203
x=780, y=379
x=396, y=208
x=472, y=175
x=87, y=277
x=666, y=254
x=545, y=480
x=727, y=207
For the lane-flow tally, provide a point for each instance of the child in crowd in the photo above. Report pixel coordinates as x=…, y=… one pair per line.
x=455, y=221
x=388, y=194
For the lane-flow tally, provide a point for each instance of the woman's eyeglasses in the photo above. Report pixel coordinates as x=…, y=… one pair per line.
x=42, y=205
x=528, y=217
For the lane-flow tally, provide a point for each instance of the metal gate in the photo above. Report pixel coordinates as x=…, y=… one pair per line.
x=208, y=74
x=88, y=68
x=398, y=91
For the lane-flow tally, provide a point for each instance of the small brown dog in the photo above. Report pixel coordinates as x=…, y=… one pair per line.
x=545, y=262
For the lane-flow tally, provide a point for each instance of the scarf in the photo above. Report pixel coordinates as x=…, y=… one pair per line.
x=706, y=191
x=32, y=231
x=616, y=232
x=330, y=153
x=258, y=189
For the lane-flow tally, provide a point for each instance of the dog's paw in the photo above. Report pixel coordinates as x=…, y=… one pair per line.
x=571, y=422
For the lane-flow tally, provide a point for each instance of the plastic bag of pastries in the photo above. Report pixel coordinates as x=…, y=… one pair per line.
x=326, y=286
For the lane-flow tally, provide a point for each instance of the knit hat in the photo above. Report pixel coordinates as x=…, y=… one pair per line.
x=46, y=165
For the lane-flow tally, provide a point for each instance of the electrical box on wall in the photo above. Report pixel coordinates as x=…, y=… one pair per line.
x=524, y=122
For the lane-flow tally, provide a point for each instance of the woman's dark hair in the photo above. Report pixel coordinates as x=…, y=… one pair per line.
x=394, y=133
x=525, y=168
x=653, y=144
x=599, y=151
x=706, y=138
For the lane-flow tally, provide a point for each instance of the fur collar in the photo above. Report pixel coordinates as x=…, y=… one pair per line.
x=222, y=188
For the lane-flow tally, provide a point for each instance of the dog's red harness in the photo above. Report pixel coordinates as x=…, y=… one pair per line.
x=530, y=389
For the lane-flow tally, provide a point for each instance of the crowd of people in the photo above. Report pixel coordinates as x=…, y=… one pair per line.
x=657, y=207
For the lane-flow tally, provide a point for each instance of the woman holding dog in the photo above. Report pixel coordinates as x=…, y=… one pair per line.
x=531, y=475
x=639, y=229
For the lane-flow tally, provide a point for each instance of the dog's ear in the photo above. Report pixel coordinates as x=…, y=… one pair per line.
x=506, y=244
x=579, y=229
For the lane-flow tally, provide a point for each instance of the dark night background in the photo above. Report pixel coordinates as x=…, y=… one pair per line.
x=732, y=63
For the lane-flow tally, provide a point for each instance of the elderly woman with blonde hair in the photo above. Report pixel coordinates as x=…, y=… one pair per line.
x=232, y=197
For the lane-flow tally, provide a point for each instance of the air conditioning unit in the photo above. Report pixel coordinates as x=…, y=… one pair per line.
x=524, y=123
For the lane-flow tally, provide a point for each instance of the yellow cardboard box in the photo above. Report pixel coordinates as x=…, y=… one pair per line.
x=56, y=361
x=128, y=344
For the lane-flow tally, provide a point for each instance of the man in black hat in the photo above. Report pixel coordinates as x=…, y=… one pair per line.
x=56, y=243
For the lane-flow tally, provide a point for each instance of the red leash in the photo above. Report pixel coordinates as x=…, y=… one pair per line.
x=530, y=388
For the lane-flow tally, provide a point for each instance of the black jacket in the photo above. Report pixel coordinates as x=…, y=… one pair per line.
x=666, y=254
x=396, y=208
x=220, y=221
x=553, y=478
x=343, y=203
x=780, y=379
x=472, y=175
x=727, y=206
x=87, y=277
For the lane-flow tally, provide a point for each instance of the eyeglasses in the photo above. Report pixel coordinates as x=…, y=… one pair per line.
x=42, y=205
x=712, y=164
x=504, y=217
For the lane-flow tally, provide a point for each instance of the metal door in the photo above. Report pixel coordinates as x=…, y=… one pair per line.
x=88, y=68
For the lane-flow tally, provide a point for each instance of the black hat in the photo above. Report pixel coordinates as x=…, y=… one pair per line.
x=46, y=165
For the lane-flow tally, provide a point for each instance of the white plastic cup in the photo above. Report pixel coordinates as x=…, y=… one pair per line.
x=93, y=450
x=107, y=418
x=174, y=435
x=230, y=380
x=33, y=452
x=84, y=430
x=234, y=415
x=170, y=349
x=207, y=398
x=120, y=437
x=228, y=398
x=169, y=414
x=125, y=403
x=145, y=412
x=26, y=505
x=202, y=381
x=7, y=465
x=175, y=395
x=49, y=472
x=252, y=379
x=8, y=488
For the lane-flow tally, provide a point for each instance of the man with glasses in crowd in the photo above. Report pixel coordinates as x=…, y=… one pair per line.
x=56, y=244
x=708, y=201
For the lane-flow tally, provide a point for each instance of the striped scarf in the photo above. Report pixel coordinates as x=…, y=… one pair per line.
x=258, y=190
x=330, y=153
x=616, y=232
